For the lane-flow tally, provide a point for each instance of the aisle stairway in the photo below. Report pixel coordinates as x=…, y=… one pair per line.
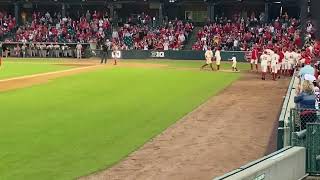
x=192, y=39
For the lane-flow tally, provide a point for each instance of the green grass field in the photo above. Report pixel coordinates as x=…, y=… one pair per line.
x=75, y=125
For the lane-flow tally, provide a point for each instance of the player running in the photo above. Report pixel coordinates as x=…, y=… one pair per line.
x=208, y=55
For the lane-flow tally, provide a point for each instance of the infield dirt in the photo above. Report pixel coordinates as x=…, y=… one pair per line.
x=229, y=130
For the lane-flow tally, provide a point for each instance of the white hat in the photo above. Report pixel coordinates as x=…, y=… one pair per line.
x=309, y=77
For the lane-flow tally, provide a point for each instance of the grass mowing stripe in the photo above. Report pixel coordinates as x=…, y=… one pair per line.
x=75, y=125
x=226, y=65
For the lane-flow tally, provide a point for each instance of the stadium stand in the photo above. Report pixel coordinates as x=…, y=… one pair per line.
x=7, y=24
x=241, y=34
x=143, y=37
x=45, y=27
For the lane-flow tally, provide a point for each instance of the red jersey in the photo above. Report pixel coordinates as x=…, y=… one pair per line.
x=254, y=54
x=281, y=56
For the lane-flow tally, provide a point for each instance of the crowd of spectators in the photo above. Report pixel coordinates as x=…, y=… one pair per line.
x=137, y=32
x=7, y=24
x=144, y=36
x=242, y=34
x=307, y=97
x=46, y=27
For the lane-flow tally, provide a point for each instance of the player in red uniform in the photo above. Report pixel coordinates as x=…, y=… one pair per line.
x=281, y=63
x=254, y=58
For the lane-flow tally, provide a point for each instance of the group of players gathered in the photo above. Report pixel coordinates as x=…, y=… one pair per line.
x=279, y=62
x=274, y=61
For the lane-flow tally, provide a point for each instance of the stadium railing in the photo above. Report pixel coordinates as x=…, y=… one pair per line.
x=91, y=50
x=283, y=137
x=11, y=45
x=304, y=125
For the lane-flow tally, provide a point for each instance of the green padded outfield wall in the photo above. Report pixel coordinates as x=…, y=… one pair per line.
x=181, y=55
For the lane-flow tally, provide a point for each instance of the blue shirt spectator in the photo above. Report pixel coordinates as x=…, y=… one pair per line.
x=306, y=98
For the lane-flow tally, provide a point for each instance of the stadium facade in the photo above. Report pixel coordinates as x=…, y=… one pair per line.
x=199, y=11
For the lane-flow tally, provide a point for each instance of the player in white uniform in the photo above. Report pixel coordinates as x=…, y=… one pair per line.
x=292, y=62
x=116, y=54
x=274, y=65
x=287, y=62
x=208, y=56
x=234, y=63
x=270, y=53
x=217, y=56
x=297, y=57
x=264, y=59
x=79, y=51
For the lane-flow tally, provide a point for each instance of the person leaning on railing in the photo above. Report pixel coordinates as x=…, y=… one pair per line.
x=305, y=98
x=306, y=103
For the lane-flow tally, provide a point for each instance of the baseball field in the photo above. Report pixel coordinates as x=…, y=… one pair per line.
x=67, y=119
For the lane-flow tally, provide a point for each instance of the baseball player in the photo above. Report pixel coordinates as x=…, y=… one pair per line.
x=270, y=53
x=56, y=50
x=287, y=63
x=217, y=56
x=297, y=57
x=116, y=54
x=281, y=63
x=254, y=58
x=264, y=59
x=79, y=48
x=208, y=56
x=24, y=50
x=274, y=65
x=292, y=62
x=234, y=63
